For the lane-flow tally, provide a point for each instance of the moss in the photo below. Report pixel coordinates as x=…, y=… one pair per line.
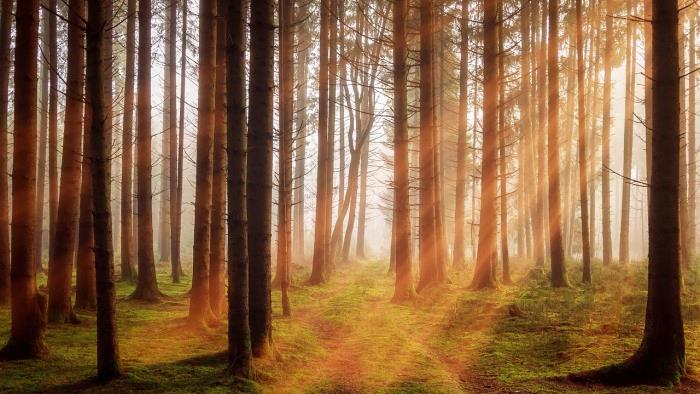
x=346, y=336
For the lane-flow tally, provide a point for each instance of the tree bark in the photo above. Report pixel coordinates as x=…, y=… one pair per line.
x=100, y=145
x=43, y=135
x=458, y=256
x=559, y=278
x=28, y=310
x=200, y=307
x=403, y=287
x=146, y=286
x=605, y=170
x=128, y=272
x=63, y=251
x=259, y=186
x=484, y=276
x=502, y=158
x=239, y=345
x=582, y=155
x=628, y=141
x=176, y=209
x=218, y=203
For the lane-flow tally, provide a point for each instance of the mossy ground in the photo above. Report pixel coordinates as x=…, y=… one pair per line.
x=346, y=336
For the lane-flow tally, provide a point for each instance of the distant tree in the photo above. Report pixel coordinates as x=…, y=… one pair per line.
x=146, y=286
x=200, y=307
x=558, y=275
x=607, y=101
x=582, y=155
x=28, y=305
x=484, y=275
x=458, y=256
x=176, y=208
x=128, y=272
x=63, y=251
x=403, y=288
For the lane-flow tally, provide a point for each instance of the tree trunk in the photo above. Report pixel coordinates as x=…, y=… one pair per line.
x=484, y=276
x=5, y=31
x=301, y=132
x=239, y=346
x=259, y=186
x=28, y=305
x=458, y=256
x=43, y=134
x=146, y=286
x=692, y=165
x=582, y=167
x=318, y=274
x=218, y=203
x=403, y=288
x=85, y=287
x=63, y=251
x=53, y=124
x=541, y=240
x=605, y=170
x=200, y=307
x=559, y=278
x=100, y=146
x=427, y=261
x=169, y=88
x=502, y=158
x=176, y=209
x=628, y=141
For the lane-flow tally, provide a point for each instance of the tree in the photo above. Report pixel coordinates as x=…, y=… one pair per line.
x=318, y=274
x=559, y=278
x=427, y=253
x=43, y=136
x=259, y=182
x=176, y=208
x=628, y=140
x=218, y=203
x=605, y=170
x=200, y=307
x=582, y=156
x=53, y=123
x=660, y=358
x=61, y=255
x=286, y=115
x=5, y=30
x=502, y=141
x=239, y=345
x=403, y=288
x=100, y=145
x=146, y=286
x=28, y=305
x=458, y=257
x=128, y=272
x=484, y=276
x=303, y=41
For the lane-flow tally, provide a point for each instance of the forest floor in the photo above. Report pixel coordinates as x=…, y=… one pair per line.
x=346, y=337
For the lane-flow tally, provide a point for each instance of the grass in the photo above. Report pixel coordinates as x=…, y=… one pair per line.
x=346, y=336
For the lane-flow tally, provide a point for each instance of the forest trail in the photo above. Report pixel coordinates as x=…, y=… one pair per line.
x=347, y=337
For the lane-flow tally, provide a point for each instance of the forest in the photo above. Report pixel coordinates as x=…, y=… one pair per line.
x=321, y=196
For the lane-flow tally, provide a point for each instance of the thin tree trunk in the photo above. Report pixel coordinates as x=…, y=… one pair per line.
x=484, y=275
x=169, y=88
x=318, y=274
x=502, y=159
x=218, y=203
x=582, y=167
x=628, y=141
x=541, y=240
x=458, y=257
x=53, y=123
x=176, y=210
x=559, y=278
x=28, y=310
x=692, y=165
x=403, y=288
x=43, y=134
x=200, y=307
x=303, y=41
x=128, y=272
x=605, y=170
x=62, y=254
x=146, y=286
